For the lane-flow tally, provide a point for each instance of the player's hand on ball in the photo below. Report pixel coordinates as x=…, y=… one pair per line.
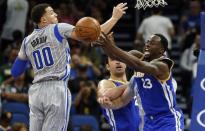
x=106, y=40
x=119, y=11
x=111, y=37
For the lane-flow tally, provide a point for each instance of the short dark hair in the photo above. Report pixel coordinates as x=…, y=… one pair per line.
x=164, y=41
x=38, y=11
x=106, y=59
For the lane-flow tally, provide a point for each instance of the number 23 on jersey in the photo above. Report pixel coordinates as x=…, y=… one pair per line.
x=147, y=83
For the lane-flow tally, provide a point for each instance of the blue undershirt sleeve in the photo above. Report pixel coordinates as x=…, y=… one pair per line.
x=18, y=67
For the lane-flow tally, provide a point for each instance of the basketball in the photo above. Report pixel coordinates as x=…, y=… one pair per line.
x=88, y=29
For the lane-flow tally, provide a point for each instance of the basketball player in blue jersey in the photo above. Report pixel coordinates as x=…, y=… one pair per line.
x=47, y=49
x=153, y=85
x=125, y=118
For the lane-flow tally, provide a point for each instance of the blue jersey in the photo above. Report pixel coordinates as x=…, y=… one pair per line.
x=158, y=103
x=123, y=119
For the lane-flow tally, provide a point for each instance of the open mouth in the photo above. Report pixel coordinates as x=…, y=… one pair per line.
x=119, y=67
x=146, y=51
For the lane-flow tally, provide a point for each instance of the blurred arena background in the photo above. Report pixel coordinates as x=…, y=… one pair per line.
x=88, y=64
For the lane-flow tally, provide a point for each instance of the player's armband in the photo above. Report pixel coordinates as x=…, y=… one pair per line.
x=18, y=67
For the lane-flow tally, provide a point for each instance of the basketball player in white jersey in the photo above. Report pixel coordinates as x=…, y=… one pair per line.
x=47, y=49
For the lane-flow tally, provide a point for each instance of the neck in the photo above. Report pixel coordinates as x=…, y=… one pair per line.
x=154, y=57
x=119, y=78
x=42, y=25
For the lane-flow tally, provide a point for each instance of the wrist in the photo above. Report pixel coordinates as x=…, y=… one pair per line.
x=114, y=19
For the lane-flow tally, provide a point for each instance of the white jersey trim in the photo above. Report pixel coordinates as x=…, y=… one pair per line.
x=111, y=118
x=169, y=97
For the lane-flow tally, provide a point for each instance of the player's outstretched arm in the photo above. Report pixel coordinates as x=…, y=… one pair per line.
x=118, y=12
x=137, y=54
x=158, y=69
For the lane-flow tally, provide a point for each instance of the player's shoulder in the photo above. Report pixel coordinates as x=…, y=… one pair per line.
x=105, y=83
x=50, y=26
x=62, y=25
x=162, y=58
x=28, y=38
x=165, y=60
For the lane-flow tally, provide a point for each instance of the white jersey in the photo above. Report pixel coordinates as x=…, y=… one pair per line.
x=16, y=15
x=48, y=52
x=156, y=24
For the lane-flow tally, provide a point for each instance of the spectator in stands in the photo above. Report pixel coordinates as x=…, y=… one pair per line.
x=190, y=24
x=5, y=68
x=192, y=18
x=3, y=6
x=80, y=77
x=138, y=45
x=93, y=55
x=92, y=71
x=85, y=101
x=18, y=127
x=188, y=65
x=196, y=51
x=95, y=13
x=5, y=121
x=18, y=91
x=156, y=24
x=66, y=14
x=188, y=38
x=75, y=48
x=15, y=8
x=85, y=128
x=17, y=40
x=15, y=45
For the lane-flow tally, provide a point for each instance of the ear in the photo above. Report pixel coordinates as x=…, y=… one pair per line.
x=43, y=19
x=161, y=51
x=107, y=67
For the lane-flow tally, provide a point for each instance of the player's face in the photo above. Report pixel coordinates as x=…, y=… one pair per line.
x=75, y=59
x=116, y=67
x=152, y=46
x=50, y=16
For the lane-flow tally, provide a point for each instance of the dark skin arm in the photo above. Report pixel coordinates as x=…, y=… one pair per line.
x=137, y=54
x=156, y=68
